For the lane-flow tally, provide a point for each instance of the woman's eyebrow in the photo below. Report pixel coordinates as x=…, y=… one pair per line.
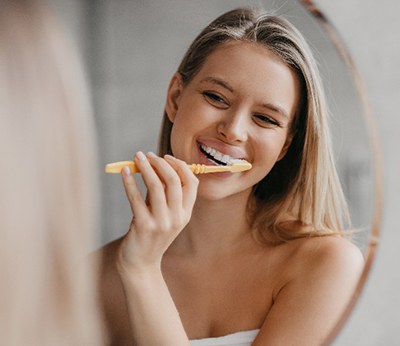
x=276, y=109
x=218, y=81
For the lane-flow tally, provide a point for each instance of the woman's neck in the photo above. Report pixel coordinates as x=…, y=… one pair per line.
x=215, y=227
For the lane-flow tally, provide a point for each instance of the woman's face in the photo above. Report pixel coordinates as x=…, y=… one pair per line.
x=239, y=105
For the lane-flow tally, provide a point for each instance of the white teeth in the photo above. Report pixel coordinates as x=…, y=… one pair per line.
x=218, y=155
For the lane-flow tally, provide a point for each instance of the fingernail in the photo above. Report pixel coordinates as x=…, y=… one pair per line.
x=140, y=156
x=127, y=171
x=151, y=154
x=167, y=156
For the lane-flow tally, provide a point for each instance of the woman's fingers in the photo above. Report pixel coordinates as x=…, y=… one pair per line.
x=132, y=191
x=155, y=187
x=180, y=182
x=170, y=179
x=188, y=180
x=171, y=192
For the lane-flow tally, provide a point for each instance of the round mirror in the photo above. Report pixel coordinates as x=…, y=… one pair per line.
x=134, y=47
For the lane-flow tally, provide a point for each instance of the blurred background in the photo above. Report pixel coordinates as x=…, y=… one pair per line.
x=131, y=48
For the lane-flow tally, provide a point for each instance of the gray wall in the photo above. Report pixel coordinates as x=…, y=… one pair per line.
x=131, y=49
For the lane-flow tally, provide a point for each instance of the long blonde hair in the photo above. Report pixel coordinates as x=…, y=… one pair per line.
x=302, y=195
x=47, y=193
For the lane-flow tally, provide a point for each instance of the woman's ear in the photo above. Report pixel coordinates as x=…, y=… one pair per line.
x=173, y=96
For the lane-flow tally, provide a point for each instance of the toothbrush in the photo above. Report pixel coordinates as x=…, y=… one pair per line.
x=235, y=166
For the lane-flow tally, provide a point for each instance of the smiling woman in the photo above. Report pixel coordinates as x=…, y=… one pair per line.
x=262, y=253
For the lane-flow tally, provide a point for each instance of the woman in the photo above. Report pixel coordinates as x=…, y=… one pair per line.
x=47, y=199
x=257, y=257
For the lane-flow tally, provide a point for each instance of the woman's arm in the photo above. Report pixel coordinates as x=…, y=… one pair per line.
x=308, y=305
x=157, y=222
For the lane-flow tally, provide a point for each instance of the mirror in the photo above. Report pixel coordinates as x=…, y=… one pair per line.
x=134, y=47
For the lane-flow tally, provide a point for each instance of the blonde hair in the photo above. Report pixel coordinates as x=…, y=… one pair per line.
x=301, y=196
x=47, y=201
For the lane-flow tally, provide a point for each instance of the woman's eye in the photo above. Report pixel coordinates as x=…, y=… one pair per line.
x=265, y=121
x=215, y=99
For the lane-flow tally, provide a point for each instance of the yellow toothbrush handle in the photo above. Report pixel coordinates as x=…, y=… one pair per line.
x=197, y=168
x=117, y=167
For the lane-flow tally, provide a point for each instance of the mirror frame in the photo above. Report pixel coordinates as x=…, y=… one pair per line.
x=377, y=165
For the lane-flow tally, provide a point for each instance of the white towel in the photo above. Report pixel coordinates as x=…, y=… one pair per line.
x=244, y=338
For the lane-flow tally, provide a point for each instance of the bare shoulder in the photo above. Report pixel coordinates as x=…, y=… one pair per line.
x=332, y=253
x=320, y=276
x=325, y=264
x=112, y=297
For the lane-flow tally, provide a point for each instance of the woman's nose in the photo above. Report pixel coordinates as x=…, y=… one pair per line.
x=233, y=127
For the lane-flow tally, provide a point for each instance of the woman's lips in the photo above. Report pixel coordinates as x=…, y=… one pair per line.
x=221, y=152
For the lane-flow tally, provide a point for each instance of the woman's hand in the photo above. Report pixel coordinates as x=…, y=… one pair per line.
x=157, y=221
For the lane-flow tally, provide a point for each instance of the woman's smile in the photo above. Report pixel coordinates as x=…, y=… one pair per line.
x=217, y=154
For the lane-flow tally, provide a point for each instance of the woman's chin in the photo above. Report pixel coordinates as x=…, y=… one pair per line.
x=216, y=192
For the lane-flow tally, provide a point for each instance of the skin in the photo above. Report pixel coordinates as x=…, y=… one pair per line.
x=189, y=267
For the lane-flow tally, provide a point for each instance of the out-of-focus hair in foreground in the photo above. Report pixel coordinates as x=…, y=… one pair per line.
x=47, y=200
